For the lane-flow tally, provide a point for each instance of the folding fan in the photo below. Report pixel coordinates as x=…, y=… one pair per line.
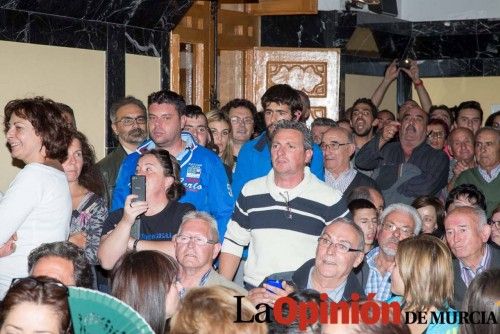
x=94, y=312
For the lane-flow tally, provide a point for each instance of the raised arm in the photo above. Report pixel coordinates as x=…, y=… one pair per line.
x=423, y=95
x=391, y=73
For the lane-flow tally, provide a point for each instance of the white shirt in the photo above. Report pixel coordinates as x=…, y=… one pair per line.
x=37, y=206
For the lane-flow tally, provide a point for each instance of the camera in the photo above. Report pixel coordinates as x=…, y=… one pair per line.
x=404, y=63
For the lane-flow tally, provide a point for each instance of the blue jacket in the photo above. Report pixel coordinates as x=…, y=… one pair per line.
x=254, y=160
x=201, y=173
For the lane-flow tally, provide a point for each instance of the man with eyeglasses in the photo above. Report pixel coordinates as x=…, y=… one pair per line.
x=201, y=170
x=338, y=146
x=241, y=114
x=397, y=222
x=486, y=175
x=408, y=168
x=280, y=102
x=279, y=216
x=197, y=246
x=339, y=250
x=128, y=121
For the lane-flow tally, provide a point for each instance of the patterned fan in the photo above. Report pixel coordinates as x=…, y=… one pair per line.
x=95, y=312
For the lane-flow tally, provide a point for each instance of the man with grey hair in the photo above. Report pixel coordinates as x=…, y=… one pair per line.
x=319, y=126
x=467, y=233
x=196, y=247
x=128, y=121
x=338, y=146
x=397, y=222
x=276, y=213
x=339, y=250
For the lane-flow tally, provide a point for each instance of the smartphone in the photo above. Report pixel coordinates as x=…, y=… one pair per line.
x=404, y=63
x=138, y=185
x=274, y=282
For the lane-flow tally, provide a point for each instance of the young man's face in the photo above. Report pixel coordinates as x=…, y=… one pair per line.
x=275, y=112
x=197, y=126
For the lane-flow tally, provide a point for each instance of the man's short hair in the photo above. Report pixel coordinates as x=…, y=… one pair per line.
x=82, y=271
x=487, y=129
x=194, y=111
x=236, y=103
x=411, y=211
x=168, y=97
x=206, y=217
x=469, y=105
x=294, y=125
x=369, y=102
x=470, y=192
x=324, y=121
x=442, y=107
x=362, y=192
x=359, y=204
x=282, y=94
x=123, y=102
x=347, y=221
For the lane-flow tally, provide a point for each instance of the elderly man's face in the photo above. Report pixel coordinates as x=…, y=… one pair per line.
x=55, y=267
x=487, y=149
x=461, y=143
x=397, y=226
x=413, y=127
x=332, y=263
x=195, y=256
x=336, y=159
x=465, y=238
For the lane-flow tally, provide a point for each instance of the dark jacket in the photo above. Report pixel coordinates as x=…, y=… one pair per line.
x=459, y=284
x=300, y=278
x=401, y=181
x=110, y=166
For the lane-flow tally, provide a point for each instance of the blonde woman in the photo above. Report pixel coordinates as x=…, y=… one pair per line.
x=423, y=280
x=220, y=126
x=211, y=310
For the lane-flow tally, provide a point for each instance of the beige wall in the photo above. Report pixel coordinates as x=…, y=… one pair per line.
x=452, y=91
x=142, y=76
x=72, y=76
x=357, y=86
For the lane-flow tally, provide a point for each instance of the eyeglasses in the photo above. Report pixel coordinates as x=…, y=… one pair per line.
x=436, y=135
x=238, y=120
x=339, y=246
x=32, y=282
x=405, y=231
x=494, y=223
x=127, y=121
x=333, y=145
x=197, y=239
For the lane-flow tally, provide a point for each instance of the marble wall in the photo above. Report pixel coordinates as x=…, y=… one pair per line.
x=443, y=48
x=139, y=27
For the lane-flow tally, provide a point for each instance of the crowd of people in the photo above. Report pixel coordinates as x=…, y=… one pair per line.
x=399, y=207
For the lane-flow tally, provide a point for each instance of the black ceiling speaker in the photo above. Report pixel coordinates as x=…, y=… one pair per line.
x=388, y=7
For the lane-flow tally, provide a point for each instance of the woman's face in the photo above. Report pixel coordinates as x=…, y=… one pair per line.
x=397, y=286
x=220, y=131
x=74, y=163
x=31, y=318
x=429, y=218
x=436, y=136
x=172, y=299
x=157, y=183
x=23, y=141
